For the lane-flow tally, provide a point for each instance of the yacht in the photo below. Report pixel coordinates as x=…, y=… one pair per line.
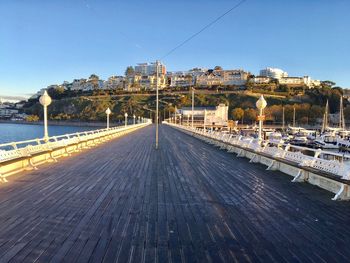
x=327, y=140
x=275, y=138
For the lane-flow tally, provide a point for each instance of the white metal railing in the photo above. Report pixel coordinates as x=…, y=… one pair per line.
x=331, y=162
x=24, y=149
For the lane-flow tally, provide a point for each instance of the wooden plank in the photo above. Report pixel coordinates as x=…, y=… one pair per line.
x=187, y=202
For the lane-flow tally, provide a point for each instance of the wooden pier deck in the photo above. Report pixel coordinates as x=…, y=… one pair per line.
x=188, y=202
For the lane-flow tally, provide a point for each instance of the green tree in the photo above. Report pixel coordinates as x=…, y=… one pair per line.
x=274, y=112
x=327, y=83
x=32, y=118
x=94, y=77
x=57, y=92
x=218, y=68
x=316, y=111
x=129, y=71
x=250, y=115
x=237, y=113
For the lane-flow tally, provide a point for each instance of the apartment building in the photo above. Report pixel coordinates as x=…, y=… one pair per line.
x=146, y=69
x=114, y=82
x=260, y=80
x=150, y=82
x=6, y=113
x=222, y=77
x=181, y=80
x=77, y=84
x=274, y=73
x=138, y=82
x=299, y=81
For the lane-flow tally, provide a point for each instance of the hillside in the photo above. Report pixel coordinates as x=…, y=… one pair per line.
x=91, y=107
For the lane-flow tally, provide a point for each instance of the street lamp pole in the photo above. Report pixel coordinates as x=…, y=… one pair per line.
x=108, y=111
x=134, y=119
x=45, y=100
x=126, y=119
x=157, y=104
x=261, y=104
x=192, y=105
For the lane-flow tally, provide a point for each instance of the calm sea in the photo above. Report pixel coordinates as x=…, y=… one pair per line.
x=19, y=132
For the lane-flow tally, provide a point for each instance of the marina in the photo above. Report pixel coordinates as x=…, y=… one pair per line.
x=325, y=137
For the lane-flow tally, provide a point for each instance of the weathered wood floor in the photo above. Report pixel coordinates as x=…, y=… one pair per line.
x=188, y=202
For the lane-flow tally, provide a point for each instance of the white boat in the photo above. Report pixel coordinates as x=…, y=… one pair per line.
x=292, y=130
x=275, y=138
x=300, y=135
x=343, y=144
x=333, y=137
x=327, y=141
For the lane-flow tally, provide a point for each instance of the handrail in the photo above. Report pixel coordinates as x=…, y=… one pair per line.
x=38, y=141
x=282, y=151
x=302, y=148
x=29, y=153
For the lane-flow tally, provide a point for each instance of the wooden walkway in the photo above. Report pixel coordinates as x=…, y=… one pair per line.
x=187, y=202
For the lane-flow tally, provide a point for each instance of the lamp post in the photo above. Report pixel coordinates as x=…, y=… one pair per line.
x=180, y=119
x=126, y=119
x=192, y=106
x=157, y=103
x=175, y=115
x=45, y=100
x=261, y=104
x=139, y=119
x=169, y=115
x=108, y=112
x=134, y=118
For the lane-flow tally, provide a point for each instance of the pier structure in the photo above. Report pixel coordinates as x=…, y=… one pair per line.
x=188, y=201
x=328, y=170
x=25, y=155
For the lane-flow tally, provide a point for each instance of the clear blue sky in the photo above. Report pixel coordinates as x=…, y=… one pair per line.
x=46, y=42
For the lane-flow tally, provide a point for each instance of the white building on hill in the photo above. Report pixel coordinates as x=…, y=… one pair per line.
x=299, y=81
x=146, y=69
x=222, y=77
x=214, y=116
x=274, y=73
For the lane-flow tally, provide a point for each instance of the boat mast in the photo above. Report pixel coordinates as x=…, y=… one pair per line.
x=326, y=116
x=341, y=115
x=293, y=116
x=323, y=123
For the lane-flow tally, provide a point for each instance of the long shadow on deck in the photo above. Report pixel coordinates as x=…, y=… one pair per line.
x=188, y=201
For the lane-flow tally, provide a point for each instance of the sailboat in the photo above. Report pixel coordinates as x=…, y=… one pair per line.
x=344, y=135
x=299, y=135
x=328, y=138
x=342, y=126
